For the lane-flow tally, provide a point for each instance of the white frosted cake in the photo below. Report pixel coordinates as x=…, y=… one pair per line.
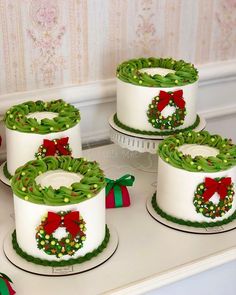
x=156, y=96
x=196, y=179
x=59, y=205
x=38, y=129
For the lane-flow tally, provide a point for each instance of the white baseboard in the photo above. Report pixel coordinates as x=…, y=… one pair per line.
x=217, y=88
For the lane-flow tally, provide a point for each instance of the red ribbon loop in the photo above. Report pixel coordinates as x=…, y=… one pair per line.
x=58, y=145
x=214, y=186
x=165, y=97
x=70, y=221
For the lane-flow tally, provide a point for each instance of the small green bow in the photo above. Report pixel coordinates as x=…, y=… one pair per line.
x=126, y=180
x=3, y=286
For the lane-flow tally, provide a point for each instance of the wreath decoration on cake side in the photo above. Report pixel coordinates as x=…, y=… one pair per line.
x=67, y=245
x=173, y=99
x=223, y=187
x=55, y=147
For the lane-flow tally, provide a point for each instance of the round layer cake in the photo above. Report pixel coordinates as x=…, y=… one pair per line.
x=59, y=205
x=156, y=96
x=196, y=179
x=38, y=129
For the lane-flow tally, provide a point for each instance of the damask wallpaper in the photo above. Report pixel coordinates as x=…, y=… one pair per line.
x=49, y=43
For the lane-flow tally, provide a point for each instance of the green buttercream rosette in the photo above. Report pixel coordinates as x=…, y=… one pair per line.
x=225, y=159
x=67, y=117
x=25, y=187
x=185, y=73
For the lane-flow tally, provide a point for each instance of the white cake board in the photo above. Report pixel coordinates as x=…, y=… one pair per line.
x=2, y=176
x=23, y=264
x=188, y=229
x=139, y=142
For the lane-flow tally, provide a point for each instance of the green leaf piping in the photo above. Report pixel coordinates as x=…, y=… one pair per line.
x=71, y=261
x=129, y=71
x=25, y=187
x=168, y=151
x=16, y=117
x=196, y=224
x=6, y=173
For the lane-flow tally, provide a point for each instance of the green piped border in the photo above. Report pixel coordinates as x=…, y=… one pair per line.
x=168, y=217
x=72, y=261
x=6, y=173
x=156, y=133
x=129, y=72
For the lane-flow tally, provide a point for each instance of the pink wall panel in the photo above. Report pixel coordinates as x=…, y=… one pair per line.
x=49, y=43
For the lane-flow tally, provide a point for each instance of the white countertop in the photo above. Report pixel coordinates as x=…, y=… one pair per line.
x=149, y=254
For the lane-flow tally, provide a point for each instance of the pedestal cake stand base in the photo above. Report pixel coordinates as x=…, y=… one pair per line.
x=23, y=264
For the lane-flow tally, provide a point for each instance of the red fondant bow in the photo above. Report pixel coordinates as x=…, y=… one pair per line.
x=214, y=186
x=165, y=97
x=70, y=221
x=57, y=145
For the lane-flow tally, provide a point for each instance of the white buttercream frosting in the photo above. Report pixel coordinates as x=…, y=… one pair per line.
x=133, y=102
x=176, y=188
x=42, y=115
x=154, y=71
x=58, y=178
x=198, y=150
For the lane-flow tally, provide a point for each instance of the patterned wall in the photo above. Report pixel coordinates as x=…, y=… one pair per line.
x=47, y=43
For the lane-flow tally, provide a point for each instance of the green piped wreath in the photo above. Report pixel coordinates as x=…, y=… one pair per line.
x=55, y=263
x=170, y=122
x=67, y=117
x=129, y=71
x=208, y=208
x=24, y=183
x=68, y=245
x=226, y=158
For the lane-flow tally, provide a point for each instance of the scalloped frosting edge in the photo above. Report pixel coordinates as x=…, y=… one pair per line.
x=6, y=173
x=196, y=224
x=72, y=261
x=155, y=133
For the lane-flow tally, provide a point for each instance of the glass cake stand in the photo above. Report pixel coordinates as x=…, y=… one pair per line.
x=142, y=148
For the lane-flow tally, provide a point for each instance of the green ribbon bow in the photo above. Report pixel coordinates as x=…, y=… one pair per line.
x=3, y=286
x=126, y=180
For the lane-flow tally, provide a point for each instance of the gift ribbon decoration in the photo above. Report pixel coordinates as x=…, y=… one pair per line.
x=117, y=194
x=165, y=97
x=5, y=287
x=56, y=145
x=69, y=221
x=213, y=186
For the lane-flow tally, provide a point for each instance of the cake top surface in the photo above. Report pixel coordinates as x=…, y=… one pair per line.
x=40, y=117
x=149, y=72
x=198, y=152
x=28, y=183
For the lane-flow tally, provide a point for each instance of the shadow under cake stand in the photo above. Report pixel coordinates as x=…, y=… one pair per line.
x=142, y=148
